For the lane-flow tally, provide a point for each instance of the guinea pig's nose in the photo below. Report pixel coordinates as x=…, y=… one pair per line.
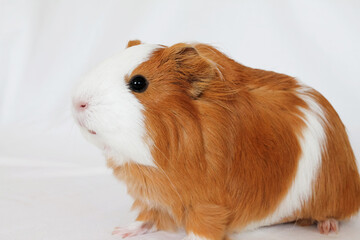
x=81, y=105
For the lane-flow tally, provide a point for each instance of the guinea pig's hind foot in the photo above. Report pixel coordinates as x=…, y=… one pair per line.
x=328, y=226
x=135, y=229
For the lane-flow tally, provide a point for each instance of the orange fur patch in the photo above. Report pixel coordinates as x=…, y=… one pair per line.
x=133, y=43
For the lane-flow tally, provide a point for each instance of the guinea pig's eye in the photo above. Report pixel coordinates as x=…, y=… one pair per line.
x=138, y=84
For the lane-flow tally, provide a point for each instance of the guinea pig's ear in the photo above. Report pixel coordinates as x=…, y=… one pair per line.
x=133, y=43
x=194, y=68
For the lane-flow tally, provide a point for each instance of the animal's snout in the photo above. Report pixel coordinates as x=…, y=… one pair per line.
x=83, y=105
x=80, y=105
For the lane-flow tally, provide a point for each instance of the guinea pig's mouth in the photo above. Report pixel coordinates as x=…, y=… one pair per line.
x=91, y=132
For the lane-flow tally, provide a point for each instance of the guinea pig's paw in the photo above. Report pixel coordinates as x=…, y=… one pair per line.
x=135, y=229
x=328, y=226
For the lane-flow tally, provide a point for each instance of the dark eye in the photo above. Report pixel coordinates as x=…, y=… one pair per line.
x=138, y=84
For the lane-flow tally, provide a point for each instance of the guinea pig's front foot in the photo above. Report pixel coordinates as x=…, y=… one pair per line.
x=135, y=229
x=328, y=226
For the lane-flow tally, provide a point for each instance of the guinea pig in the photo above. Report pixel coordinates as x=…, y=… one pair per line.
x=211, y=146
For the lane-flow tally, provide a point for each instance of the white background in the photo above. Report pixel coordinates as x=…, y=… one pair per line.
x=53, y=184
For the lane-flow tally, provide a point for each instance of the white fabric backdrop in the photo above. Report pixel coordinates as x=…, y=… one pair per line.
x=53, y=184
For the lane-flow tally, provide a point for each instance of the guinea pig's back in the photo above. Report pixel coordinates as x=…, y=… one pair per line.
x=336, y=190
x=308, y=167
x=293, y=159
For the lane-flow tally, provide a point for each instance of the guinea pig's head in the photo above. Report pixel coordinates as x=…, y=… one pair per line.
x=116, y=102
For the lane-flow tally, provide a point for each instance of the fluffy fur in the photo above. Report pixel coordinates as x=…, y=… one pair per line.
x=113, y=112
x=233, y=147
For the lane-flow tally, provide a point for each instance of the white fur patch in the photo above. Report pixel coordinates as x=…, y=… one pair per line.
x=312, y=142
x=113, y=112
x=134, y=229
x=192, y=236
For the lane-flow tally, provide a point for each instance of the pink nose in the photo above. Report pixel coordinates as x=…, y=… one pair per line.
x=80, y=106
